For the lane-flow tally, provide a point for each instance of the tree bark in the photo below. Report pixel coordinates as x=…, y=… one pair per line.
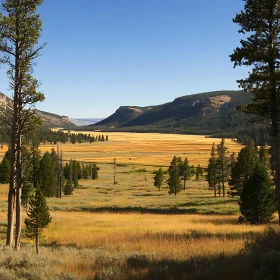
x=18, y=195
x=215, y=183
x=12, y=185
x=37, y=243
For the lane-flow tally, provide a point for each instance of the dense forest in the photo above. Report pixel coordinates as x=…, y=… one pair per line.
x=44, y=135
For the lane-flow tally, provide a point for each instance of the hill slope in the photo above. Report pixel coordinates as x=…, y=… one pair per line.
x=49, y=119
x=204, y=113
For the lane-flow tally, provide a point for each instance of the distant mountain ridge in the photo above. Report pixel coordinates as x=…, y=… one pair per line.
x=203, y=113
x=85, y=121
x=49, y=119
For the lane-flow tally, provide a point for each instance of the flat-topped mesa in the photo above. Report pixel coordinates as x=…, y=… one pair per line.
x=204, y=113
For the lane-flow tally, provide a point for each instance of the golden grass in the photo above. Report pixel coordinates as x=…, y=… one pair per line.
x=176, y=236
x=143, y=148
x=128, y=245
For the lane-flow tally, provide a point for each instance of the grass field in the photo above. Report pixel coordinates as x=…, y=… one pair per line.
x=130, y=230
x=142, y=148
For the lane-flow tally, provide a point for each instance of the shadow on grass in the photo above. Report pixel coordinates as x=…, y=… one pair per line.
x=132, y=209
x=145, y=210
x=200, y=235
x=217, y=267
x=203, y=203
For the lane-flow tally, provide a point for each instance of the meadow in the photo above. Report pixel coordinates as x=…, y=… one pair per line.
x=130, y=230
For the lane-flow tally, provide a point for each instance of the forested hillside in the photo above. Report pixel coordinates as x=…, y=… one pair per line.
x=210, y=113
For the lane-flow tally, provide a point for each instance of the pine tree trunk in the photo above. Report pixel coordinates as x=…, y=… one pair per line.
x=276, y=157
x=223, y=180
x=219, y=182
x=37, y=243
x=184, y=184
x=18, y=195
x=215, y=183
x=12, y=185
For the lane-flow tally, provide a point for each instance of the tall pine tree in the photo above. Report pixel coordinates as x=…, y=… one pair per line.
x=174, y=182
x=260, y=22
x=20, y=30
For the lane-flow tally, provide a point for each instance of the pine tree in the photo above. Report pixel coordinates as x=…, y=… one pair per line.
x=94, y=172
x=48, y=176
x=247, y=159
x=158, y=179
x=199, y=172
x=5, y=170
x=68, y=187
x=212, y=170
x=264, y=156
x=257, y=200
x=38, y=217
x=27, y=192
x=74, y=167
x=20, y=30
x=173, y=181
x=260, y=49
x=223, y=163
x=185, y=171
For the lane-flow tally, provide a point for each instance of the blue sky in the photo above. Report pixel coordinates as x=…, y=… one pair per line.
x=102, y=54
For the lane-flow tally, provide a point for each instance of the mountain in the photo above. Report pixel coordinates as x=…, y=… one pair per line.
x=85, y=121
x=49, y=119
x=206, y=113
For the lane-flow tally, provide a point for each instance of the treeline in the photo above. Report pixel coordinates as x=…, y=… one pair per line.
x=53, y=137
x=47, y=173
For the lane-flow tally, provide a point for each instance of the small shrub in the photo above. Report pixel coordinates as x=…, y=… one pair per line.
x=141, y=170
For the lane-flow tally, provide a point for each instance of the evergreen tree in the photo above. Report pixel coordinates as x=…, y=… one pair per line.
x=48, y=176
x=27, y=192
x=247, y=159
x=264, y=156
x=74, y=167
x=158, y=179
x=68, y=188
x=212, y=170
x=94, y=172
x=260, y=20
x=173, y=181
x=38, y=217
x=223, y=163
x=257, y=200
x=185, y=171
x=67, y=170
x=5, y=170
x=199, y=172
x=20, y=30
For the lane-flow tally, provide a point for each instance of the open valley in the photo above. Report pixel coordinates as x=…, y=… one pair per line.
x=130, y=229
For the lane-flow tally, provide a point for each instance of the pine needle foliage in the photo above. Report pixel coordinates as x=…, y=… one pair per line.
x=257, y=200
x=158, y=179
x=38, y=217
x=174, y=182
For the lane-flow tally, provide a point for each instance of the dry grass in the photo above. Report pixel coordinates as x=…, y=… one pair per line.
x=129, y=246
x=144, y=148
x=101, y=245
